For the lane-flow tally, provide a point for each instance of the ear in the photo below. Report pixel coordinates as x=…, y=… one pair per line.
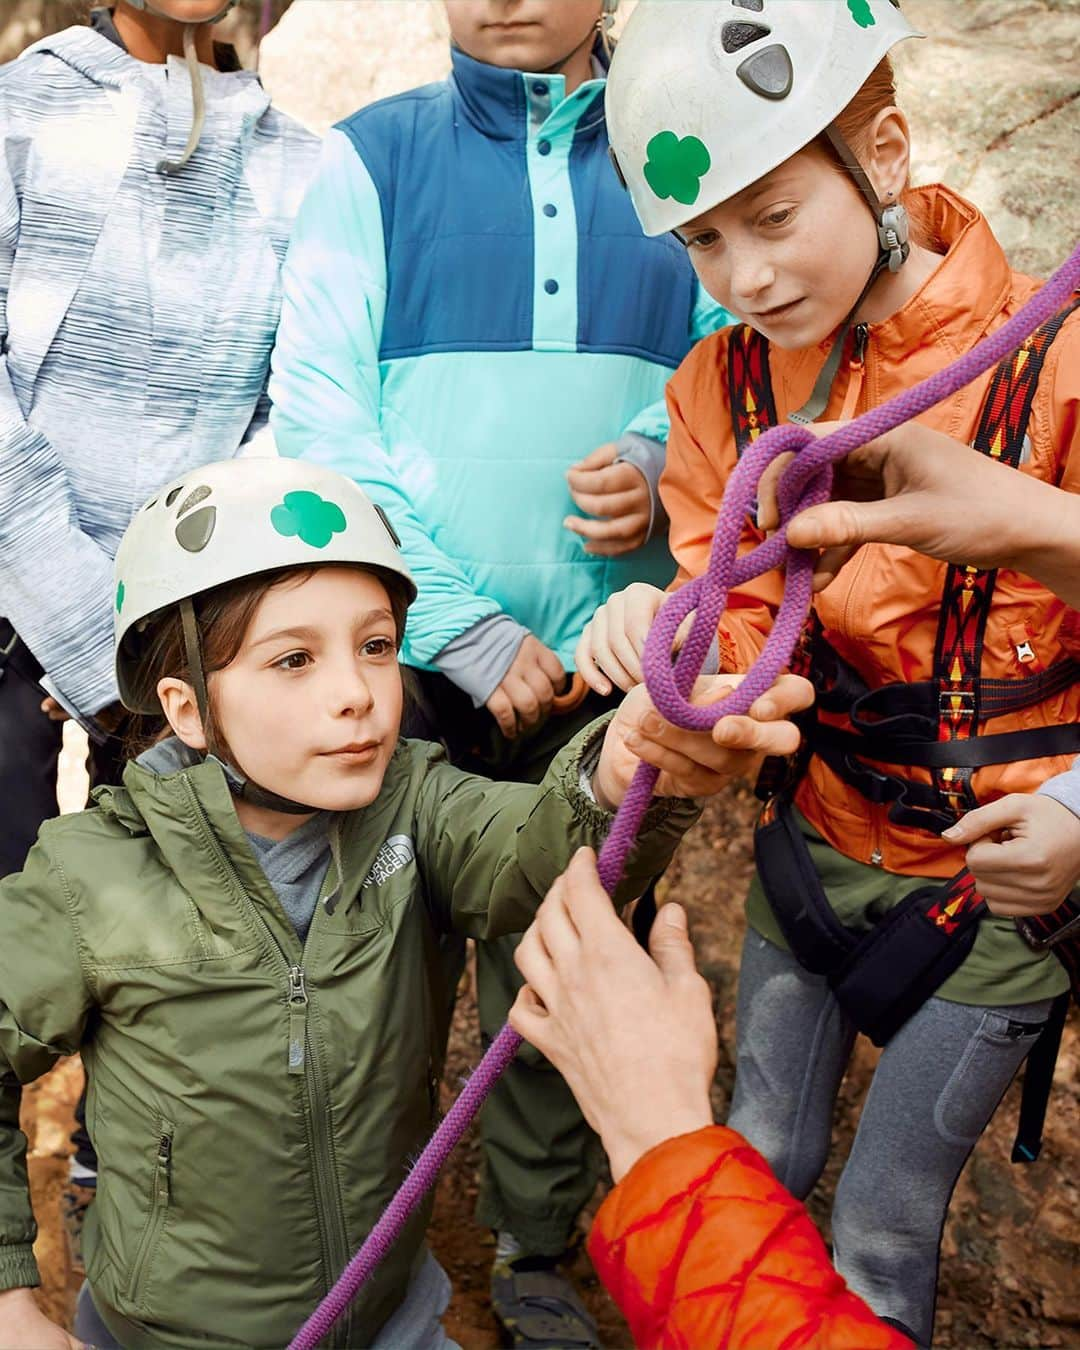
x=181, y=709
x=889, y=159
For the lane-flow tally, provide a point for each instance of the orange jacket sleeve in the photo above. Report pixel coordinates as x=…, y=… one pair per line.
x=700, y=1246
x=700, y=457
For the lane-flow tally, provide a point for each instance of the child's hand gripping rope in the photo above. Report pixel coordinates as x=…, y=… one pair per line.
x=806, y=482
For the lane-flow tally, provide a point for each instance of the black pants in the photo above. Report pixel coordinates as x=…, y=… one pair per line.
x=29, y=753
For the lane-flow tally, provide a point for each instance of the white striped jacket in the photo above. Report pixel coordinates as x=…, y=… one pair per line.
x=137, y=315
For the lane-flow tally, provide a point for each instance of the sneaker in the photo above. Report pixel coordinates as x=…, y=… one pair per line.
x=538, y=1307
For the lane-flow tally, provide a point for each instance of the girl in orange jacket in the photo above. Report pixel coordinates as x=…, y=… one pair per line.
x=765, y=134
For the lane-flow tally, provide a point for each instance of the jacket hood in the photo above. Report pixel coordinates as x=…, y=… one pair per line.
x=102, y=61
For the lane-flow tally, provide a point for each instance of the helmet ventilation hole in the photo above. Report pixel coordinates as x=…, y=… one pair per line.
x=735, y=36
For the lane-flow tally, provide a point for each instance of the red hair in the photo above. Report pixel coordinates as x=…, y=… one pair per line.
x=853, y=123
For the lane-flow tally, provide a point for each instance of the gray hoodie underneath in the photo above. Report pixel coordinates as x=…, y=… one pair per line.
x=295, y=866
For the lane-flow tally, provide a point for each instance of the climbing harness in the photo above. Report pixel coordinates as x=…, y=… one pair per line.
x=806, y=482
x=883, y=977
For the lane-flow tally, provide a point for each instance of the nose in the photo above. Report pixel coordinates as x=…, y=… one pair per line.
x=752, y=274
x=352, y=695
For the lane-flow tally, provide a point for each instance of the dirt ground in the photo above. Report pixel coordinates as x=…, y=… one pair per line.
x=1009, y=1275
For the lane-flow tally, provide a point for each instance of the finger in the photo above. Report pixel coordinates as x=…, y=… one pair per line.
x=542, y=687
x=768, y=512
x=502, y=710
x=790, y=694
x=524, y=699
x=682, y=775
x=894, y=520
x=614, y=478
x=532, y=1021
x=669, y=943
x=626, y=634
x=596, y=459
x=586, y=667
x=631, y=501
x=559, y=934
x=552, y=667
x=603, y=655
x=744, y=735
x=1012, y=859
x=986, y=820
x=588, y=904
x=604, y=531
x=829, y=565
x=533, y=960
x=617, y=548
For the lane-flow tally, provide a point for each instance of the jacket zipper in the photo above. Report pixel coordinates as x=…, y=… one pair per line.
x=329, y=1212
x=161, y=1195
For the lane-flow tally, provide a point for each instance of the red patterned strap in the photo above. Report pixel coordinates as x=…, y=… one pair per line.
x=968, y=594
x=753, y=409
x=958, y=903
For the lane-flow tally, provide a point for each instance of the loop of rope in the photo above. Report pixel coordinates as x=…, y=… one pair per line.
x=805, y=482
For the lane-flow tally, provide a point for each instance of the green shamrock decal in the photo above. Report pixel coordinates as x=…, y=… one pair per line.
x=308, y=515
x=676, y=167
x=862, y=13
x=119, y=596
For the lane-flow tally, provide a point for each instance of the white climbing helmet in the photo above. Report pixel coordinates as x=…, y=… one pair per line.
x=237, y=518
x=704, y=97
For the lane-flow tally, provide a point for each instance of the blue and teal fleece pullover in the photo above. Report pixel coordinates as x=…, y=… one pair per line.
x=470, y=307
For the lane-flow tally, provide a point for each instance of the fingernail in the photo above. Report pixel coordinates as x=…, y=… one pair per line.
x=952, y=832
x=765, y=709
x=674, y=916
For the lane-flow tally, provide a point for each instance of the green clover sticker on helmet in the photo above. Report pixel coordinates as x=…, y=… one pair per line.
x=862, y=13
x=676, y=167
x=119, y=596
x=311, y=517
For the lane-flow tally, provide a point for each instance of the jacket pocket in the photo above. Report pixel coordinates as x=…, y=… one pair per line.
x=160, y=1199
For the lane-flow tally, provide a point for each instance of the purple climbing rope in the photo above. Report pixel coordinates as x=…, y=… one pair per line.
x=806, y=482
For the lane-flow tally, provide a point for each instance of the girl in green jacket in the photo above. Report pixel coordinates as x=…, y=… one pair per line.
x=242, y=940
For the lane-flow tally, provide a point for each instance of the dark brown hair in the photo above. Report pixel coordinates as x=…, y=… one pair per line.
x=223, y=616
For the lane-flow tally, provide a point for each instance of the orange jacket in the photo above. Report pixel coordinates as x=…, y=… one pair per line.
x=881, y=614
x=703, y=1249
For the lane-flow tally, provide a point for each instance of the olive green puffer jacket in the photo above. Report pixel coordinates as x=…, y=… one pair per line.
x=255, y=1103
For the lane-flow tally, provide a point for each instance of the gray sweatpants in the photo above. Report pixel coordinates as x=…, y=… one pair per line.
x=934, y=1090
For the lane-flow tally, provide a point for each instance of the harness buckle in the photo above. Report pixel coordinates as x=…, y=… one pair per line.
x=1045, y=944
x=956, y=702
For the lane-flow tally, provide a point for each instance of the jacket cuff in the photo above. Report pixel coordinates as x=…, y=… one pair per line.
x=478, y=659
x=18, y=1269
x=648, y=456
x=1065, y=788
x=584, y=756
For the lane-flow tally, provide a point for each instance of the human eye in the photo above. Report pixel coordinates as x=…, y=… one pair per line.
x=379, y=647
x=778, y=217
x=704, y=239
x=292, y=661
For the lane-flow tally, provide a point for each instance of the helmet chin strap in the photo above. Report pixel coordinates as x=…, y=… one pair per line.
x=893, y=249
x=240, y=785
x=198, y=94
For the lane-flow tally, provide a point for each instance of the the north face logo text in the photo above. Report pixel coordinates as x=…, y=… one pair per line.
x=397, y=852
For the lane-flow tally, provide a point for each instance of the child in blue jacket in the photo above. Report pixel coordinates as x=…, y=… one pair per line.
x=475, y=329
